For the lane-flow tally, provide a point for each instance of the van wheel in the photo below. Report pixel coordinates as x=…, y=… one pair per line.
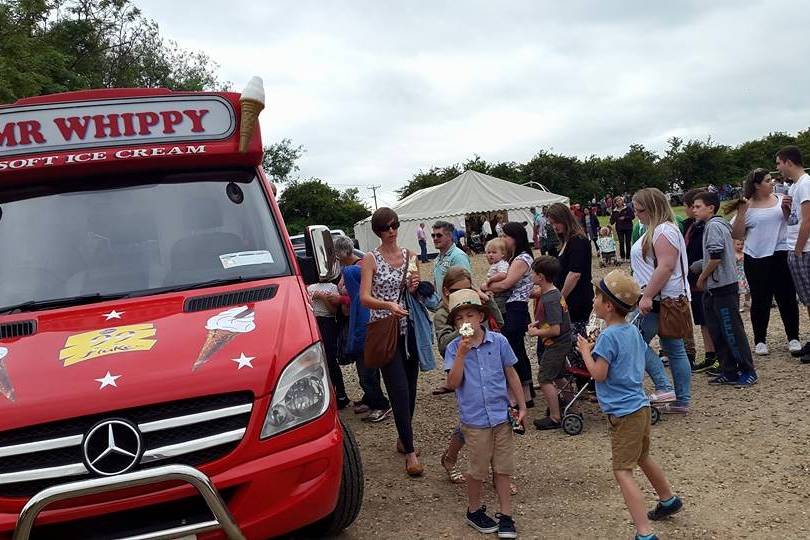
x=350, y=499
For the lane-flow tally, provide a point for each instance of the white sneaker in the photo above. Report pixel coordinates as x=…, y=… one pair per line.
x=794, y=345
x=761, y=349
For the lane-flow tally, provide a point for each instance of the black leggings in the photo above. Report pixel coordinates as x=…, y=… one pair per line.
x=625, y=243
x=769, y=277
x=515, y=325
x=400, y=376
x=330, y=331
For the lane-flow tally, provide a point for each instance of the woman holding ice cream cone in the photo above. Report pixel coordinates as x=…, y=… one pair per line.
x=384, y=271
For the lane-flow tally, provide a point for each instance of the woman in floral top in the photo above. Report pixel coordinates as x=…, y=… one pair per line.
x=518, y=282
x=381, y=291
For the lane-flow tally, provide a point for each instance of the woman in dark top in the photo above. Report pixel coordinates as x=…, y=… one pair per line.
x=622, y=217
x=518, y=283
x=574, y=279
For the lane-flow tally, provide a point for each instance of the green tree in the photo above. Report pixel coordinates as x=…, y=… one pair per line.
x=280, y=160
x=313, y=202
x=697, y=163
x=49, y=46
x=760, y=153
x=560, y=174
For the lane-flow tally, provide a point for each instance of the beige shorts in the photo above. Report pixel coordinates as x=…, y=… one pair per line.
x=489, y=446
x=630, y=438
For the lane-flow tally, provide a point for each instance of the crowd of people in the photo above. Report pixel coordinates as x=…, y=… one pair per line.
x=385, y=319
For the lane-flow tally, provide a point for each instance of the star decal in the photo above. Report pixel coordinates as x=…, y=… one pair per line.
x=113, y=315
x=244, y=361
x=108, y=380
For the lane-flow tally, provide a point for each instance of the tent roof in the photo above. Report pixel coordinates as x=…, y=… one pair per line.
x=469, y=193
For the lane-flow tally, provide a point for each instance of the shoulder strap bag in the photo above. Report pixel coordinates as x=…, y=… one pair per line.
x=382, y=334
x=675, y=316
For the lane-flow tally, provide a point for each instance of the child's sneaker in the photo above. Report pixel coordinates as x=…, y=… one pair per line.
x=481, y=522
x=546, y=423
x=747, y=380
x=714, y=371
x=705, y=365
x=662, y=397
x=723, y=380
x=648, y=537
x=666, y=508
x=506, y=526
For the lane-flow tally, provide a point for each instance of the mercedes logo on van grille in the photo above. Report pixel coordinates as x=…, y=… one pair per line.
x=112, y=447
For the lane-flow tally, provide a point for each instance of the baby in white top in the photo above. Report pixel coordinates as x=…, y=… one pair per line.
x=607, y=246
x=496, y=254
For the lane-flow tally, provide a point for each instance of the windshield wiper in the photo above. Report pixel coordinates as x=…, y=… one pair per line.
x=192, y=286
x=34, y=305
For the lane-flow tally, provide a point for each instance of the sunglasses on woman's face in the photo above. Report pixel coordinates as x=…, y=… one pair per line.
x=386, y=228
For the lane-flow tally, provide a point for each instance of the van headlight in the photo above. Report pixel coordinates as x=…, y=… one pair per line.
x=302, y=393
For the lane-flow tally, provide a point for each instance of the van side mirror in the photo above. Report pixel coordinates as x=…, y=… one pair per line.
x=319, y=265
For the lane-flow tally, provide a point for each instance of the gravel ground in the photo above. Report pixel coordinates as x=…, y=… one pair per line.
x=740, y=461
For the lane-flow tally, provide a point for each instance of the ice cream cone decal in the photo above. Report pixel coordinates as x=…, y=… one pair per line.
x=222, y=328
x=251, y=104
x=5, y=383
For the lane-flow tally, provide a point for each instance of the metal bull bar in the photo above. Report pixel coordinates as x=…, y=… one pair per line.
x=223, y=519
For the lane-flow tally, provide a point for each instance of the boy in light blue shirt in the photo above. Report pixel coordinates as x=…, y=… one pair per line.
x=480, y=370
x=617, y=366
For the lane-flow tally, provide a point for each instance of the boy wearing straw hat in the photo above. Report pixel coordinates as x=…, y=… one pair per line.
x=480, y=365
x=617, y=365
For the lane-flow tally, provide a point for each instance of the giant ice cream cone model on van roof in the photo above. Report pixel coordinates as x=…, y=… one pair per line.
x=251, y=104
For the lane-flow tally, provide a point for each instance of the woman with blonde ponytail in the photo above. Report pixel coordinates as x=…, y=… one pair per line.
x=659, y=265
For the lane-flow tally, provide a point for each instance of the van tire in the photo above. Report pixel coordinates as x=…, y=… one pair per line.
x=350, y=497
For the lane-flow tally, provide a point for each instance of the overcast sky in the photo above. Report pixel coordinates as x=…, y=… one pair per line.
x=376, y=90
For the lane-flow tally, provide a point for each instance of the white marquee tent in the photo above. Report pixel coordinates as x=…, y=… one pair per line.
x=469, y=193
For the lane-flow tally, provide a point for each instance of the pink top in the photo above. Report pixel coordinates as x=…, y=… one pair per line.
x=420, y=233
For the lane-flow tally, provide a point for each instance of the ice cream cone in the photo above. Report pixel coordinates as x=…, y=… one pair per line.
x=5, y=383
x=215, y=340
x=250, y=115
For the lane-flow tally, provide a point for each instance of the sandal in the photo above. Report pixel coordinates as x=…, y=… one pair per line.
x=453, y=474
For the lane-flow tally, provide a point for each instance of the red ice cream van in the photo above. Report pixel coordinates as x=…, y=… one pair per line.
x=161, y=371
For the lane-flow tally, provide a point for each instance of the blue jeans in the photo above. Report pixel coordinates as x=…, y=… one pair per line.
x=678, y=362
x=423, y=251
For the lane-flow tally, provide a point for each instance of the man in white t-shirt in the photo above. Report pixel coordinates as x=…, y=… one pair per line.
x=796, y=206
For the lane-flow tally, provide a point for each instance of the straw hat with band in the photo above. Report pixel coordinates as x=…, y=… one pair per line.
x=620, y=288
x=465, y=298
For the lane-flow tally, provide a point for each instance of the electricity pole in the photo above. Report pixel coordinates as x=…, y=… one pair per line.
x=374, y=191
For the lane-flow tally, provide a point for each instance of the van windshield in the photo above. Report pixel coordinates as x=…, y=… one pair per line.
x=135, y=235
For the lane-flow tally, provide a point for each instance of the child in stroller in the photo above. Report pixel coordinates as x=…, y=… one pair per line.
x=607, y=248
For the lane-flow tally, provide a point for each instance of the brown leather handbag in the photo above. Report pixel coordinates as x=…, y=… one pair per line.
x=675, y=317
x=382, y=336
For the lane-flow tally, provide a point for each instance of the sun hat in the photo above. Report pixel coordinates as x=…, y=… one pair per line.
x=620, y=288
x=463, y=299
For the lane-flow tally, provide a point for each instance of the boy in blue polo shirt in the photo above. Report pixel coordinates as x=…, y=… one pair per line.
x=617, y=366
x=480, y=369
